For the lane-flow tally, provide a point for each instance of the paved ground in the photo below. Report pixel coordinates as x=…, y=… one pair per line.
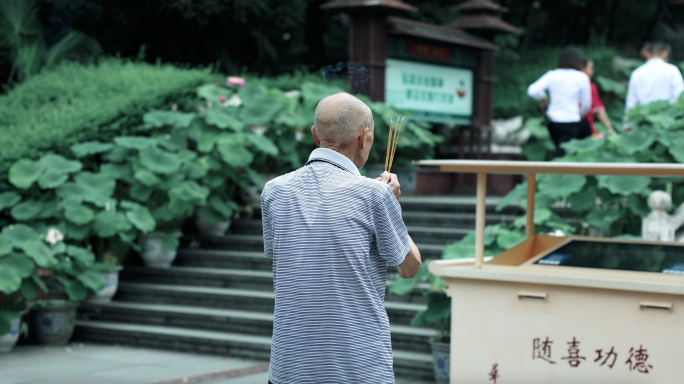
x=107, y=364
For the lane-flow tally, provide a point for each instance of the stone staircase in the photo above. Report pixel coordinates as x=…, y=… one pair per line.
x=218, y=296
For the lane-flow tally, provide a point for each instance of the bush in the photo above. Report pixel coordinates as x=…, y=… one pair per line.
x=74, y=102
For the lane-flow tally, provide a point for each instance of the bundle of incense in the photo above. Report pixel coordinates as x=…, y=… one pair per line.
x=392, y=140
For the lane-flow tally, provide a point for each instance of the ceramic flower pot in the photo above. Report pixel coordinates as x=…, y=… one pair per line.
x=206, y=228
x=252, y=194
x=9, y=340
x=441, y=361
x=111, y=280
x=55, y=321
x=154, y=254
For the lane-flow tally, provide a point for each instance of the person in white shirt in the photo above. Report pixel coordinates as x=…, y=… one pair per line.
x=656, y=79
x=570, y=94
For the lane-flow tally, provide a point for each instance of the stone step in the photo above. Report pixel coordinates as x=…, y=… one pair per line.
x=406, y=363
x=227, y=278
x=221, y=320
x=399, y=313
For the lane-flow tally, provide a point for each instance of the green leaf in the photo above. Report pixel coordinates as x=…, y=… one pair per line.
x=233, y=155
x=5, y=245
x=578, y=146
x=20, y=234
x=9, y=199
x=537, y=129
x=158, y=119
x=262, y=108
x=401, y=286
x=57, y=163
x=638, y=205
x=191, y=192
x=676, y=149
x=221, y=207
x=584, y=199
x=9, y=280
x=99, y=183
x=561, y=186
x=251, y=92
x=635, y=141
x=439, y=310
x=29, y=289
x=23, y=173
x=220, y=119
x=40, y=253
x=142, y=219
x=22, y=265
x=263, y=144
x=118, y=155
x=603, y=218
x=146, y=177
x=535, y=151
x=77, y=232
x=90, y=148
x=135, y=142
x=170, y=242
x=116, y=171
x=52, y=179
x=26, y=210
x=623, y=185
x=509, y=239
x=212, y=93
x=74, y=289
x=140, y=192
x=315, y=92
x=108, y=224
x=91, y=280
x=79, y=214
x=194, y=170
x=211, y=215
x=159, y=161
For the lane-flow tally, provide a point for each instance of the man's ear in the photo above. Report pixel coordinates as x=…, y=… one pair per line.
x=361, y=138
x=315, y=136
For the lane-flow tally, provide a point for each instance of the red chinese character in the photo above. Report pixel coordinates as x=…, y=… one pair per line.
x=639, y=363
x=541, y=349
x=609, y=355
x=494, y=374
x=573, y=354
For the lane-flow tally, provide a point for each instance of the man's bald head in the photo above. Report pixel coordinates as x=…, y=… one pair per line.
x=339, y=118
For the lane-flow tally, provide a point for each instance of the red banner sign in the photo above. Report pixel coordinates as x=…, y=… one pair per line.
x=430, y=51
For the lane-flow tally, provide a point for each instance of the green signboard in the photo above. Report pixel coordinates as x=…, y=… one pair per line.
x=431, y=92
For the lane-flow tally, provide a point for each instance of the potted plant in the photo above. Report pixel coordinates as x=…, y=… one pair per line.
x=11, y=325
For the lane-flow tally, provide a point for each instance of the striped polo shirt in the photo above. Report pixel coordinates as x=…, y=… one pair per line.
x=331, y=233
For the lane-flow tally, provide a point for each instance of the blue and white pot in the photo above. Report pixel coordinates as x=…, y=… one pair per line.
x=111, y=280
x=407, y=176
x=154, y=254
x=441, y=359
x=206, y=228
x=55, y=320
x=9, y=340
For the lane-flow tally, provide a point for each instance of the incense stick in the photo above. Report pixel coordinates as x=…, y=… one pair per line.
x=396, y=140
x=389, y=141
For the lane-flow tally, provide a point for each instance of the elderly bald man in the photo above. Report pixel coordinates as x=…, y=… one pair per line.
x=331, y=233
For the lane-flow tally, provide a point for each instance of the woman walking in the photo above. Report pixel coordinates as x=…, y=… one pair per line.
x=570, y=95
x=597, y=108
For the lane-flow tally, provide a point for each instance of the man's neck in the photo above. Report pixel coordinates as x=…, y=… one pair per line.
x=339, y=148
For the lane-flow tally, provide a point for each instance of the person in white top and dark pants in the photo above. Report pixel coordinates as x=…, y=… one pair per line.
x=656, y=79
x=570, y=94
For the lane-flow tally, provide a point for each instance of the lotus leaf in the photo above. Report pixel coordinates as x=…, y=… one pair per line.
x=108, y=224
x=29, y=289
x=77, y=232
x=315, y=92
x=676, y=149
x=52, y=179
x=251, y=91
x=81, y=254
x=190, y=191
x=118, y=155
x=194, y=170
x=234, y=155
x=159, y=161
x=623, y=185
x=170, y=242
x=206, y=143
x=90, y=148
x=262, y=108
x=635, y=141
x=74, y=289
x=516, y=194
x=135, y=142
x=5, y=245
x=603, y=218
x=638, y=205
x=72, y=193
x=10, y=281
x=19, y=234
x=116, y=171
x=609, y=85
x=661, y=120
x=9, y=199
x=175, y=142
x=509, y=239
x=91, y=280
x=59, y=248
x=26, y=210
x=584, y=199
x=79, y=214
x=23, y=173
x=157, y=119
x=146, y=177
x=221, y=207
x=140, y=192
x=40, y=253
x=142, y=219
x=214, y=180
x=22, y=265
x=584, y=145
x=220, y=118
x=263, y=144
x=561, y=186
x=99, y=183
x=212, y=92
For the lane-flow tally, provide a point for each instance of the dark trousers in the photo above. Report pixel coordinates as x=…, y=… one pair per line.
x=563, y=132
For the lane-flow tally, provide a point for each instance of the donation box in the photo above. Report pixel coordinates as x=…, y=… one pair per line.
x=566, y=309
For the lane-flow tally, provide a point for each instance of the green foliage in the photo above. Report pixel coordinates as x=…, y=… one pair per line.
x=73, y=103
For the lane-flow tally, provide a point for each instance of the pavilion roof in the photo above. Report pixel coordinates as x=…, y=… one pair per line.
x=483, y=22
x=443, y=33
x=392, y=4
x=477, y=5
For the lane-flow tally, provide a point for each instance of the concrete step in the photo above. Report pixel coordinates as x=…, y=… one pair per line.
x=399, y=313
x=409, y=363
x=222, y=320
x=453, y=204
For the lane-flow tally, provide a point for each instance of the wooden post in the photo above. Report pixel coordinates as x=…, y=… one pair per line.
x=480, y=212
x=531, y=188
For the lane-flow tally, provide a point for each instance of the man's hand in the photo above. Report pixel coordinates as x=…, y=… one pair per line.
x=391, y=180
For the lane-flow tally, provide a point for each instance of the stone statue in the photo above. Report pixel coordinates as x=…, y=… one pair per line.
x=659, y=225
